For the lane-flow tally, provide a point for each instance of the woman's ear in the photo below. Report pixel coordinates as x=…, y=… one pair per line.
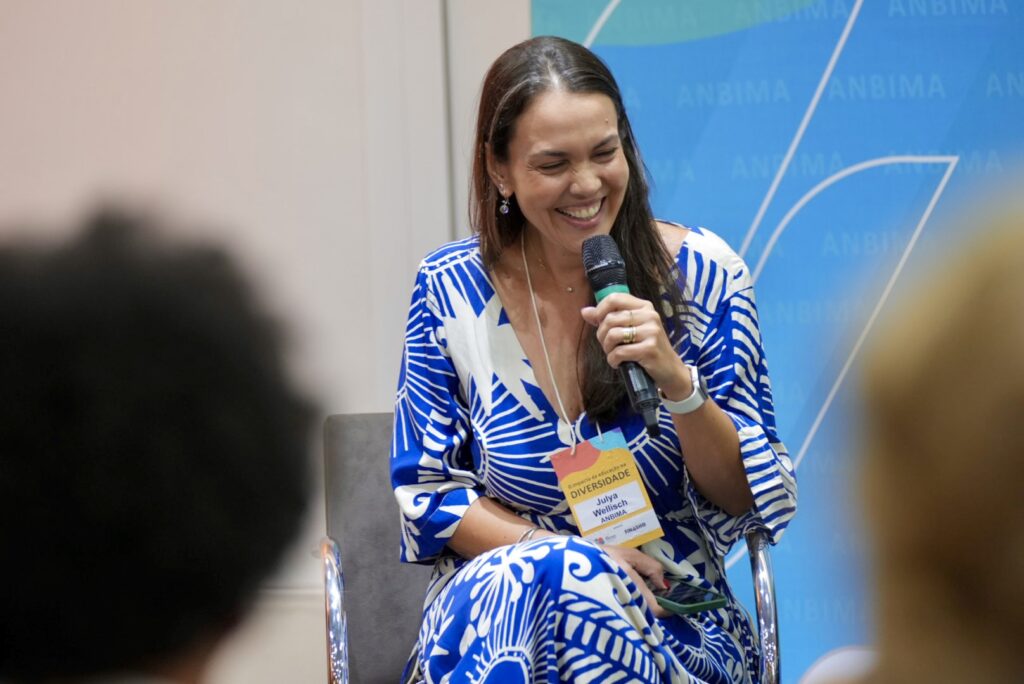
x=498, y=172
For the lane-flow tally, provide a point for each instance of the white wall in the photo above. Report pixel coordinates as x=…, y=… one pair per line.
x=478, y=31
x=312, y=137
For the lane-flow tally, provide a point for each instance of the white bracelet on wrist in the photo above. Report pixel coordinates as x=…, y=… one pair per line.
x=691, y=403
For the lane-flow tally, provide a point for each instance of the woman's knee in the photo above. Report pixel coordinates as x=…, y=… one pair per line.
x=561, y=561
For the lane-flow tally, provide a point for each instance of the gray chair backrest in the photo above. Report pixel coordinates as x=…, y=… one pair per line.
x=383, y=597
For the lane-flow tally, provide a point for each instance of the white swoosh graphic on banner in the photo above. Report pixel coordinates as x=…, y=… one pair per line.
x=599, y=24
x=950, y=162
x=808, y=115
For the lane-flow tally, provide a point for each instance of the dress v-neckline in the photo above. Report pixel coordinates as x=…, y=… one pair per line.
x=521, y=352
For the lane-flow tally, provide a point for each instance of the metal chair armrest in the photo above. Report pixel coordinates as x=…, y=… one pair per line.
x=334, y=608
x=764, y=600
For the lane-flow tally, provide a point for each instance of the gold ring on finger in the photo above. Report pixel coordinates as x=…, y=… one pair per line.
x=629, y=336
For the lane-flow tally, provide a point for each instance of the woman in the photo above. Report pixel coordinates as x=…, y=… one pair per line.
x=508, y=362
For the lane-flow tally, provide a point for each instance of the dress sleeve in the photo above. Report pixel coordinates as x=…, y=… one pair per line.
x=431, y=463
x=732, y=361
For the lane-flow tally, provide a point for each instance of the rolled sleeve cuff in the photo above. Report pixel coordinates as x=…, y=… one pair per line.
x=772, y=482
x=430, y=516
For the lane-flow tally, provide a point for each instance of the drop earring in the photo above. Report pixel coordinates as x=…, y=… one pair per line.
x=503, y=208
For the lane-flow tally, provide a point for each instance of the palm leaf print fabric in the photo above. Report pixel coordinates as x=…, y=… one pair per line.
x=471, y=421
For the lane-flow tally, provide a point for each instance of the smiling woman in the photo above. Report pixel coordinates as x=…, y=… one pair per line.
x=509, y=383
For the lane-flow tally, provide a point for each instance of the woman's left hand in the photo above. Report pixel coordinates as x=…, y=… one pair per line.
x=621, y=316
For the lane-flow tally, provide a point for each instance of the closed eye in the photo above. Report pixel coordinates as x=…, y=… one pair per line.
x=553, y=166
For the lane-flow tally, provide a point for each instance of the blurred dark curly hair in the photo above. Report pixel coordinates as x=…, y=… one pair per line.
x=153, y=452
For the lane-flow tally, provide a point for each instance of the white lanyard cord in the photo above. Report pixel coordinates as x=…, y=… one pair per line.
x=544, y=346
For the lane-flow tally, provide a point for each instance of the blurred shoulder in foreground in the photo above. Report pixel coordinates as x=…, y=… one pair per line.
x=943, y=479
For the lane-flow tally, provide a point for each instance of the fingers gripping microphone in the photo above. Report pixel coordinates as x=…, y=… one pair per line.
x=606, y=272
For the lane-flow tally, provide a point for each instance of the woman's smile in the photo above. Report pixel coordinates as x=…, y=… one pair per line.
x=582, y=212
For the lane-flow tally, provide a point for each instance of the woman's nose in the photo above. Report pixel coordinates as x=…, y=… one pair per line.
x=585, y=182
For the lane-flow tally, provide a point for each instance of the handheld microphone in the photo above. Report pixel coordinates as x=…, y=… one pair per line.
x=606, y=272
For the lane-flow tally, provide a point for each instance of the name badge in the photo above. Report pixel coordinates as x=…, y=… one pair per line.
x=605, y=492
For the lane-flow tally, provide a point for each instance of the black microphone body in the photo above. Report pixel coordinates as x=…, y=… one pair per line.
x=606, y=272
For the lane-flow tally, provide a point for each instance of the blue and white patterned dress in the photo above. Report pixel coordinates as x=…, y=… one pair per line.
x=471, y=421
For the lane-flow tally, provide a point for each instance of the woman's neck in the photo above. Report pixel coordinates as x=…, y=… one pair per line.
x=565, y=267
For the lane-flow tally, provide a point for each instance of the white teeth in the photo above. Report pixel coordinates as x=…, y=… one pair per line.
x=583, y=214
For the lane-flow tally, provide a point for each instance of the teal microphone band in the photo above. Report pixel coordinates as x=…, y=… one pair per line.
x=605, y=291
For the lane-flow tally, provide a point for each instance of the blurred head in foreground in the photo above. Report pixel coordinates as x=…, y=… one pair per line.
x=153, y=465
x=944, y=478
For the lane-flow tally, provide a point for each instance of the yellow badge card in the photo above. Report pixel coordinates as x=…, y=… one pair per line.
x=605, y=492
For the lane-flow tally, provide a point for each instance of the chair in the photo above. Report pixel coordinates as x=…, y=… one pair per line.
x=379, y=600
x=383, y=598
x=764, y=604
x=334, y=609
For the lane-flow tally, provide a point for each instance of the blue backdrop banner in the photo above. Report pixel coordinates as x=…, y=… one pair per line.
x=827, y=141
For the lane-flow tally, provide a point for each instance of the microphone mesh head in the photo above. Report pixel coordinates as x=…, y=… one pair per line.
x=603, y=262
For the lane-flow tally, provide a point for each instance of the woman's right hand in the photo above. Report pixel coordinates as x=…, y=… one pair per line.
x=643, y=570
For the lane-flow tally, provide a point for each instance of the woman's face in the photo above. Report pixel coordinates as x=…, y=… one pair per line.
x=566, y=168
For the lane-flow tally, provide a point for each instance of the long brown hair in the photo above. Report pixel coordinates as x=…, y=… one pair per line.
x=520, y=74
